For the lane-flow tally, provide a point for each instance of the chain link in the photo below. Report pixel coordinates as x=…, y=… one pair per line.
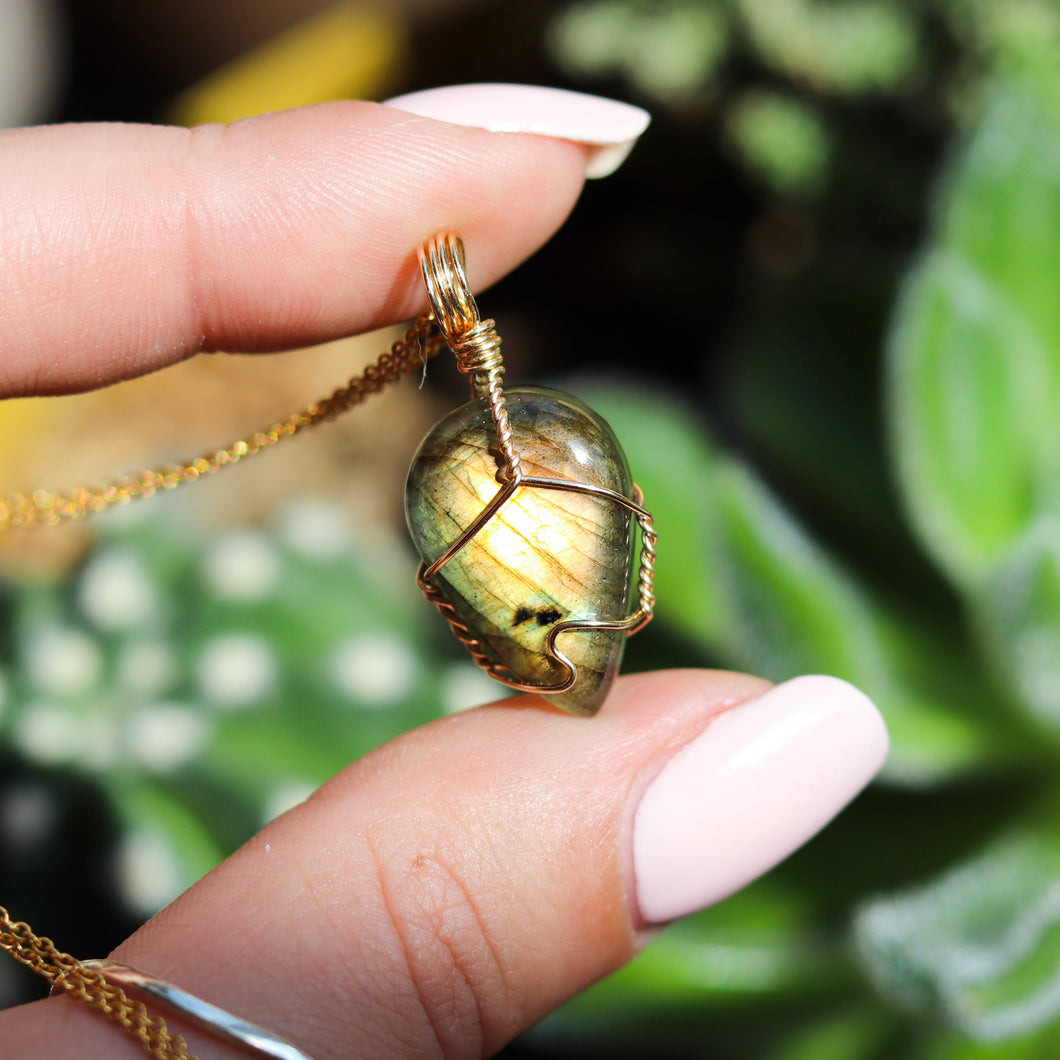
x=419, y=343
x=42, y=956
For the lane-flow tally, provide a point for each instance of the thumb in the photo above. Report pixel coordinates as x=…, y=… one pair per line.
x=441, y=895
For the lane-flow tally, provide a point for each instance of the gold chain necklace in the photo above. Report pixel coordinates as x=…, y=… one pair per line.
x=523, y=510
x=419, y=343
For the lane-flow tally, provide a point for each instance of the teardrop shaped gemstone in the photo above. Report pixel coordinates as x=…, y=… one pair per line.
x=548, y=555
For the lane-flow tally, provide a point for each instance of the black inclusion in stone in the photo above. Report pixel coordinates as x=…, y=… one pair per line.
x=548, y=616
x=524, y=614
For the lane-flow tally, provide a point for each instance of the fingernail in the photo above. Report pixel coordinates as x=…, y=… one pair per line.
x=759, y=781
x=607, y=127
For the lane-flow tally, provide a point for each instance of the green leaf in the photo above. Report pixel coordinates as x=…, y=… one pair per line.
x=1000, y=200
x=1020, y=40
x=979, y=947
x=849, y=48
x=790, y=609
x=975, y=348
x=667, y=50
x=964, y=435
x=781, y=139
x=1044, y=1045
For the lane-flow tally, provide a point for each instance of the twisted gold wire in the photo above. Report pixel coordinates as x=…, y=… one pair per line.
x=456, y=624
x=474, y=341
x=511, y=469
x=478, y=355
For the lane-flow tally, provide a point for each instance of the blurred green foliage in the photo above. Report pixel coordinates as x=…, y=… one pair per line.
x=816, y=57
x=926, y=926
x=908, y=955
x=210, y=682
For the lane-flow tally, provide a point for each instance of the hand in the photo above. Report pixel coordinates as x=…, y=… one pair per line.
x=442, y=894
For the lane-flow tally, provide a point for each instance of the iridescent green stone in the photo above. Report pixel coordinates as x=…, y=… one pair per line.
x=548, y=555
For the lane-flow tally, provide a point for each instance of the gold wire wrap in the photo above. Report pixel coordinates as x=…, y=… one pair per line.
x=67, y=973
x=477, y=348
x=646, y=579
x=419, y=343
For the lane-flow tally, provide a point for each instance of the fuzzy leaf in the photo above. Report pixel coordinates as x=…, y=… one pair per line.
x=166, y=846
x=850, y=1036
x=979, y=947
x=789, y=608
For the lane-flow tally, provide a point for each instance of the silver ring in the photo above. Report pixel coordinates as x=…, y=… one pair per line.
x=217, y=1021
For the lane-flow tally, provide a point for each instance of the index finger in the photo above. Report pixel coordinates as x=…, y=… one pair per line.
x=126, y=248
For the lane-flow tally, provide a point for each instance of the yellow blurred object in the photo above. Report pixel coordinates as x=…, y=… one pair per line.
x=21, y=420
x=349, y=51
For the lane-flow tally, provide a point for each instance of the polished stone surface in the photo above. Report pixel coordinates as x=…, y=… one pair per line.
x=548, y=555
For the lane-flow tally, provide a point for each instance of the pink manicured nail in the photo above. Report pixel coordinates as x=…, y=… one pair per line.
x=755, y=785
x=606, y=126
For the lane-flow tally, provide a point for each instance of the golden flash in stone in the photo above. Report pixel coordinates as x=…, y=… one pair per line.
x=547, y=556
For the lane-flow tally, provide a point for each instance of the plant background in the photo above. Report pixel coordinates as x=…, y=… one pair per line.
x=819, y=306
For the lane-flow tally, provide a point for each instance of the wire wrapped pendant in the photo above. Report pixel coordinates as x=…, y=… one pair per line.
x=522, y=508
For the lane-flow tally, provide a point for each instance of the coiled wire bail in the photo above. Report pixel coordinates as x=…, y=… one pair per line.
x=474, y=341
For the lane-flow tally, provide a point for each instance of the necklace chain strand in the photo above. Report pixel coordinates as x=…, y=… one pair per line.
x=42, y=956
x=419, y=343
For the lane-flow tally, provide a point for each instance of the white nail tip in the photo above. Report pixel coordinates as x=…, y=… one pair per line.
x=607, y=126
x=754, y=786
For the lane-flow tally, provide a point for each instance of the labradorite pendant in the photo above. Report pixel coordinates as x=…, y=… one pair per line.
x=522, y=507
x=548, y=556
